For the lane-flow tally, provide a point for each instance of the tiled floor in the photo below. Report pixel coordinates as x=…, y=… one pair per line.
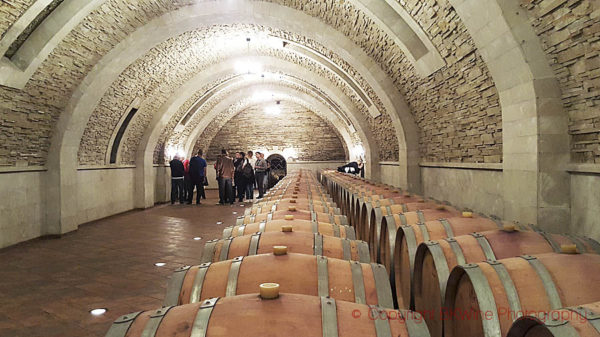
x=48, y=287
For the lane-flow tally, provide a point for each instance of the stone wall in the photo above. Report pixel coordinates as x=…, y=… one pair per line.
x=311, y=137
x=570, y=35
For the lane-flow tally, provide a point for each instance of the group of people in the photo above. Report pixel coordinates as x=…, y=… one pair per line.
x=187, y=176
x=236, y=177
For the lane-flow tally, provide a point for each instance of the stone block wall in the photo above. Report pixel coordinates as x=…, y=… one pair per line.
x=570, y=35
x=311, y=136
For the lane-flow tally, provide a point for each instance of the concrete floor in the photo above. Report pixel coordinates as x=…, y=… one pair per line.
x=48, y=286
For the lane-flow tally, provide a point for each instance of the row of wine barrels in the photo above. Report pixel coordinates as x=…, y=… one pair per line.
x=582, y=320
x=483, y=299
x=364, y=207
x=297, y=242
x=398, y=245
x=288, y=202
x=324, y=228
x=305, y=206
x=296, y=273
x=435, y=259
x=292, y=214
x=286, y=315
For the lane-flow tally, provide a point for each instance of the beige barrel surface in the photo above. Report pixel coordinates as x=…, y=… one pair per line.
x=274, y=207
x=293, y=214
x=578, y=321
x=484, y=299
x=435, y=259
x=296, y=273
x=297, y=242
x=324, y=228
x=287, y=315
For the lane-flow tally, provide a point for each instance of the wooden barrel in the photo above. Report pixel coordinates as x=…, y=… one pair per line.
x=297, y=242
x=377, y=214
x=292, y=202
x=293, y=215
x=275, y=206
x=287, y=315
x=296, y=273
x=324, y=228
x=497, y=289
x=356, y=204
x=364, y=212
x=435, y=259
x=582, y=320
x=398, y=245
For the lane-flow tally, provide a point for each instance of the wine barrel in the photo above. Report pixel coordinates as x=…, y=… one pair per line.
x=435, y=259
x=287, y=315
x=582, y=320
x=324, y=228
x=293, y=215
x=275, y=206
x=355, y=207
x=364, y=212
x=296, y=273
x=297, y=242
x=497, y=289
x=399, y=245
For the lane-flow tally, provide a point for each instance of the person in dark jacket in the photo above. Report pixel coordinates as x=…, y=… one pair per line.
x=239, y=178
x=177, y=173
x=225, y=172
x=197, y=177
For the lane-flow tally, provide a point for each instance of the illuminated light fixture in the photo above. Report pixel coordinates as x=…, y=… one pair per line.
x=262, y=96
x=273, y=110
x=219, y=222
x=98, y=312
x=248, y=67
x=197, y=238
x=290, y=153
x=160, y=264
x=358, y=151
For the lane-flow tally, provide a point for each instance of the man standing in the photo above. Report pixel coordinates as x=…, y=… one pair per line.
x=239, y=179
x=177, y=173
x=217, y=164
x=226, y=171
x=260, y=169
x=197, y=176
x=249, y=174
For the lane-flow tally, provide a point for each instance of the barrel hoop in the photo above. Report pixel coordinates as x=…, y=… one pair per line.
x=558, y=327
x=498, y=223
x=240, y=220
x=403, y=219
x=555, y=246
x=485, y=299
x=315, y=226
x=382, y=285
x=209, y=251
x=382, y=326
x=241, y=230
x=404, y=208
x=200, y=326
x=227, y=232
x=311, y=207
x=322, y=275
x=363, y=252
x=447, y=227
x=331, y=218
x=424, y=231
x=378, y=214
x=595, y=245
x=198, y=283
x=421, y=216
x=174, y=286
x=580, y=247
x=325, y=208
x=441, y=265
x=154, y=322
x=269, y=217
x=253, y=247
x=592, y=317
x=336, y=211
x=547, y=281
x=415, y=324
x=485, y=246
x=358, y=282
x=350, y=234
x=232, y=278
x=347, y=255
x=336, y=230
x=411, y=243
x=343, y=220
x=388, y=209
x=274, y=207
x=225, y=249
x=509, y=287
x=120, y=327
x=318, y=244
x=313, y=216
x=261, y=226
x=329, y=317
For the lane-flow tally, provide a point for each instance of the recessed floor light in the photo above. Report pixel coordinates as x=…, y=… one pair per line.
x=234, y=212
x=98, y=312
x=197, y=238
x=160, y=264
x=219, y=222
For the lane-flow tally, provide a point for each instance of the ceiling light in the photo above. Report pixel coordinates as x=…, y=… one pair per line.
x=98, y=312
x=248, y=67
x=160, y=264
x=197, y=238
x=272, y=110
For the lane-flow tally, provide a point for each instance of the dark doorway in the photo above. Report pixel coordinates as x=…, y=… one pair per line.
x=278, y=169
